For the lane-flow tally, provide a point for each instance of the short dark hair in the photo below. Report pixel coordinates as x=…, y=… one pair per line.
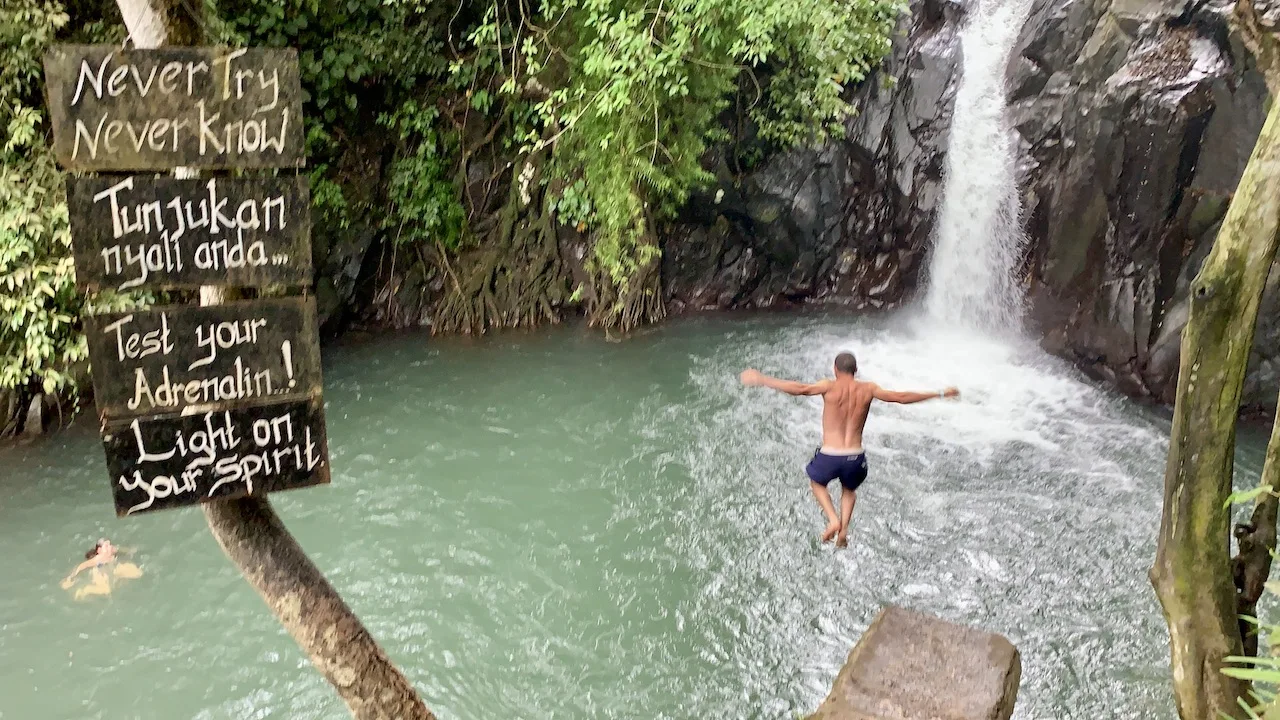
x=846, y=363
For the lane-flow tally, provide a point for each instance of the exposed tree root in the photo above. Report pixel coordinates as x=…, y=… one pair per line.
x=636, y=304
x=515, y=277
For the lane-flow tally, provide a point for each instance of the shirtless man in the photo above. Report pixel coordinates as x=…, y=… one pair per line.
x=845, y=404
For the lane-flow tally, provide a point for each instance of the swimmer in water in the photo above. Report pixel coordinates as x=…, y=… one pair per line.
x=102, y=554
x=846, y=401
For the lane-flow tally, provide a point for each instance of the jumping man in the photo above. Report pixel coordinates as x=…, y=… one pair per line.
x=845, y=404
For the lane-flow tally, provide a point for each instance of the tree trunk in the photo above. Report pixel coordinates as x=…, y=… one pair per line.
x=312, y=611
x=1256, y=540
x=249, y=531
x=1192, y=574
x=152, y=23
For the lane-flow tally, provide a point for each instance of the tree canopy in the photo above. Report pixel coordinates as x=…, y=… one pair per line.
x=593, y=114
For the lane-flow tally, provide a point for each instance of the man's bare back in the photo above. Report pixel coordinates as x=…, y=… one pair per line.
x=846, y=403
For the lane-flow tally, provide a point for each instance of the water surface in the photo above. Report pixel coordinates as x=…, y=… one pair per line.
x=557, y=526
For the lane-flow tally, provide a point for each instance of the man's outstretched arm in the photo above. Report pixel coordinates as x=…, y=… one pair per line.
x=906, y=398
x=755, y=378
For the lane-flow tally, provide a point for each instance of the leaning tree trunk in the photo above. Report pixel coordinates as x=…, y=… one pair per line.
x=312, y=611
x=1192, y=572
x=251, y=534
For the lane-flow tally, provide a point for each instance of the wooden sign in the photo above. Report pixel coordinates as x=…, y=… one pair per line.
x=167, y=462
x=157, y=233
x=168, y=359
x=206, y=107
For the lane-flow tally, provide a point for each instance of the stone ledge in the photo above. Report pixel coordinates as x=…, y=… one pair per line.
x=912, y=666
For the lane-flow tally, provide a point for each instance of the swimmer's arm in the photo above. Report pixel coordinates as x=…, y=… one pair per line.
x=79, y=568
x=754, y=378
x=903, y=397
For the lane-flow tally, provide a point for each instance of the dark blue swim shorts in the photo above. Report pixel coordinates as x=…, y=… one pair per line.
x=851, y=470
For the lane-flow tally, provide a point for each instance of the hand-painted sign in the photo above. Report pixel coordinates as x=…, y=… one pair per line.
x=169, y=359
x=164, y=462
x=206, y=107
x=152, y=233
x=197, y=403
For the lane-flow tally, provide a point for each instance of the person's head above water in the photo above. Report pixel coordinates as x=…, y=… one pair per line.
x=102, y=547
x=846, y=364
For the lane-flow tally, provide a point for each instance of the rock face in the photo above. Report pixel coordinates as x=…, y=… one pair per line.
x=1135, y=142
x=910, y=666
x=848, y=222
x=1135, y=119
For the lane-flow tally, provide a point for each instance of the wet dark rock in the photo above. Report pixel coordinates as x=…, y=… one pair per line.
x=344, y=253
x=1137, y=155
x=848, y=222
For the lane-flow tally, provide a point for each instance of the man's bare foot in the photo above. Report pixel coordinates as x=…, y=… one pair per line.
x=842, y=540
x=830, y=532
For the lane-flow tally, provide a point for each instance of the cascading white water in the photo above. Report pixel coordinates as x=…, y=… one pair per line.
x=979, y=234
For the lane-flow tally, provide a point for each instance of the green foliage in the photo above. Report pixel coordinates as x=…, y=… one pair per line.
x=615, y=103
x=346, y=48
x=1263, y=671
x=39, y=306
x=360, y=60
x=626, y=93
x=427, y=209
x=1243, y=496
x=40, y=337
x=573, y=207
x=327, y=197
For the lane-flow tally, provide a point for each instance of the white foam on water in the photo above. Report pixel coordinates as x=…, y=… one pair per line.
x=1023, y=508
x=1014, y=398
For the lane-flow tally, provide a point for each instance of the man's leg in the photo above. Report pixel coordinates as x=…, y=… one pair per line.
x=848, y=498
x=828, y=509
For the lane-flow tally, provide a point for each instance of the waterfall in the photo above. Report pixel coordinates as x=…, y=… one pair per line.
x=979, y=237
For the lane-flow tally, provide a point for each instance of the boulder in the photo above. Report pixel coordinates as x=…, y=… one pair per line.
x=912, y=666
